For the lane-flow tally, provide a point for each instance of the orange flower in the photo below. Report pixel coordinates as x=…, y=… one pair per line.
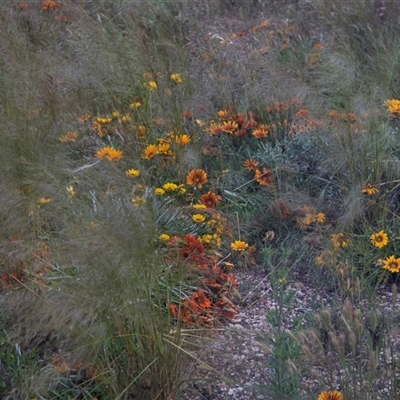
x=209, y=199
x=251, y=165
x=201, y=299
x=260, y=132
x=229, y=126
x=150, y=152
x=214, y=129
x=196, y=177
x=335, y=395
x=109, y=153
x=68, y=137
x=264, y=178
x=50, y=5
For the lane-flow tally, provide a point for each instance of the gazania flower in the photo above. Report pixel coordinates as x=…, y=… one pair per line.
x=150, y=152
x=164, y=148
x=335, y=395
x=379, y=239
x=182, y=140
x=71, y=191
x=137, y=103
x=198, y=218
x=138, y=201
x=339, y=240
x=223, y=114
x=159, y=191
x=170, y=187
x=369, y=189
x=68, y=137
x=134, y=173
x=392, y=264
x=229, y=126
x=320, y=217
x=164, y=237
x=199, y=206
x=264, y=178
x=214, y=129
x=177, y=78
x=50, y=5
x=45, y=200
x=196, y=177
x=261, y=132
x=151, y=85
x=210, y=199
x=251, y=165
x=109, y=153
x=103, y=120
x=205, y=239
x=239, y=245
x=393, y=106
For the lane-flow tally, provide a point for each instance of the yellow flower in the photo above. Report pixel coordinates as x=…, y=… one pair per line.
x=369, y=189
x=159, y=191
x=198, y=218
x=103, y=121
x=165, y=237
x=205, y=239
x=163, y=148
x=379, y=239
x=177, y=78
x=151, y=85
x=339, y=240
x=392, y=264
x=182, y=189
x=223, y=114
x=136, y=104
x=150, y=152
x=335, y=395
x=68, y=137
x=319, y=260
x=134, y=173
x=239, y=245
x=320, y=217
x=182, y=140
x=45, y=200
x=228, y=265
x=138, y=201
x=170, y=187
x=393, y=106
x=71, y=191
x=308, y=220
x=109, y=153
x=199, y=206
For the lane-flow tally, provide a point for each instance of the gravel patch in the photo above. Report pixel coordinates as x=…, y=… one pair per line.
x=235, y=360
